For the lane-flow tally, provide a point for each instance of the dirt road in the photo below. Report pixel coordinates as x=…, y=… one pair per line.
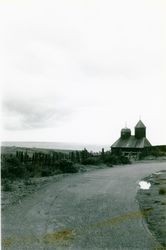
x=94, y=210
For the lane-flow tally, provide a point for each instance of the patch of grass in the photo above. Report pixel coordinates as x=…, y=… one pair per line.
x=7, y=242
x=63, y=235
x=162, y=191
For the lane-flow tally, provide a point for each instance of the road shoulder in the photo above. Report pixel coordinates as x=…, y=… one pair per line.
x=153, y=202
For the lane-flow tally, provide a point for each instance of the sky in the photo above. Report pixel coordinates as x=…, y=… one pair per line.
x=79, y=70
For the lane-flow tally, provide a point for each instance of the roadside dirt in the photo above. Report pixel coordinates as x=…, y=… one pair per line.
x=19, y=189
x=14, y=192
x=153, y=200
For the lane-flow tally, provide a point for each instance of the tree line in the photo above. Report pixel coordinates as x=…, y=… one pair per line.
x=25, y=164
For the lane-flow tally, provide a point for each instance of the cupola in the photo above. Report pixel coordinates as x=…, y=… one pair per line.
x=125, y=133
x=140, y=130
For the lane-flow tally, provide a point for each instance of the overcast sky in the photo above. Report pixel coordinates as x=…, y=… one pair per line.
x=76, y=71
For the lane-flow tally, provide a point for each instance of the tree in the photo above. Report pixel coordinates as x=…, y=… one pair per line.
x=84, y=155
x=72, y=156
x=77, y=156
x=102, y=154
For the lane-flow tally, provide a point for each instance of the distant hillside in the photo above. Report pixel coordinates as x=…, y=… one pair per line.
x=12, y=150
x=55, y=145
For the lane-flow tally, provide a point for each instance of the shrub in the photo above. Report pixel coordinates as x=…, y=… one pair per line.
x=111, y=159
x=91, y=161
x=12, y=168
x=46, y=172
x=162, y=190
x=30, y=169
x=124, y=160
x=66, y=166
x=115, y=159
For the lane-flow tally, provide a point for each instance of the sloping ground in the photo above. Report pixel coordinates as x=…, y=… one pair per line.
x=15, y=191
x=95, y=210
x=154, y=201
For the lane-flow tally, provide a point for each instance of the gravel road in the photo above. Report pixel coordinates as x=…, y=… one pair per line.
x=94, y=210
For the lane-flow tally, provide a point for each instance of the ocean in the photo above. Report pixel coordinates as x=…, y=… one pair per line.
x=55, y=145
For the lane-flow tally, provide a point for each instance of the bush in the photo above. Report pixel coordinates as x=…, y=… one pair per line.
x=46, y=172
x=156, y=152
x=66, y=166
x=12, y=168
x=116, y=159
x=111, y=159
x=91, y=161
x=124, y=160
x=162, y=190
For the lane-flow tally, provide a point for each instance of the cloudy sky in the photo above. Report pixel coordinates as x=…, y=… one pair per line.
x=76, y=71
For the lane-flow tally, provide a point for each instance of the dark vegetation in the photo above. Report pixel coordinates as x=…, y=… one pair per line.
x=155, y=151
x=26, y=164
x=162, y=190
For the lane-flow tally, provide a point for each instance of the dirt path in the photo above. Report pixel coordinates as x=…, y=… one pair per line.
x=94, y=210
